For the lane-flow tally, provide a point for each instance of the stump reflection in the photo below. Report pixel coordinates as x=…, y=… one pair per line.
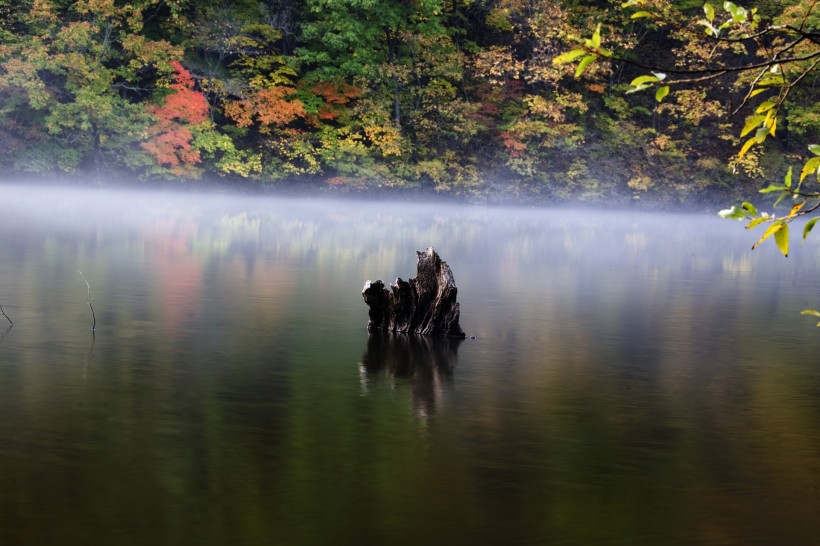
x=425, y=362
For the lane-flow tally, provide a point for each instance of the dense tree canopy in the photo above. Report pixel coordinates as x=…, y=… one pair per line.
x=456, y=95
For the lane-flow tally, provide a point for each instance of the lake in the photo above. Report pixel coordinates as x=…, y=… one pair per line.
x=635, y=378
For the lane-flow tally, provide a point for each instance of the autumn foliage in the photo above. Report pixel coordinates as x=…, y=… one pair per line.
x=170, y=137
x=459, y=96
x=269, y=107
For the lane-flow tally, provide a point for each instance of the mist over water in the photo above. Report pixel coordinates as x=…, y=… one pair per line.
x=635, y=378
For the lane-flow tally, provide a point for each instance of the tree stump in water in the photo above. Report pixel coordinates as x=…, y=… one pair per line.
x=425, y=305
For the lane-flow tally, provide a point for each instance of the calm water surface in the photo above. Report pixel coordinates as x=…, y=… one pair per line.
x=635, y=378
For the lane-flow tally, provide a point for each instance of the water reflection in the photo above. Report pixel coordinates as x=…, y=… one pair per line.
x=426, y=362
x=647, y=374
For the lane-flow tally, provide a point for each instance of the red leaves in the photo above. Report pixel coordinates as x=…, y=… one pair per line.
x=335, y=96
x=337, y=93
x=185, y=104
x=172, y=147
x=514, y=146
x=171, y=139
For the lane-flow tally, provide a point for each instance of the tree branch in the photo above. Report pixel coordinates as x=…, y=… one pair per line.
x=93, y=317
x=5, y=315
x=718, y=71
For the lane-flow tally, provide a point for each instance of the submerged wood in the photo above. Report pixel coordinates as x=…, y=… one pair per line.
x=424, y=305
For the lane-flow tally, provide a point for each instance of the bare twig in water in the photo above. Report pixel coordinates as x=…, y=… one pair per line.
x=93, y=317
x=5, y=315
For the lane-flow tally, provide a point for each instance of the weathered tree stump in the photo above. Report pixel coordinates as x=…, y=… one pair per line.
x=425, y=305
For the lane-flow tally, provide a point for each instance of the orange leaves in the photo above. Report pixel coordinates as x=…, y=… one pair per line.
x=241, y=111
x=275, y=106
x=275, y=109
x=270, y=106
x=172, y=147
x=514, y=147
x=335, y=95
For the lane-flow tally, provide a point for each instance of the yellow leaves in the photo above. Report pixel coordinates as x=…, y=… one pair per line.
x=104, y=8
x=42, y=11
x=795, y=209
x=692, y=106
x=811, y=312
x=386, y=138
x=569, y=56
x=752, y=122
x=640, y=183
x=75, y=35
x=763, y=126
x=771, y=230
x=21, y=74
x=243, y=164
x=497, y=64
x=811, y=166
x=583, y=65
x=781, y=239
x=745, y=148
x=749, y=163
x=145, y=52
x=544, y=109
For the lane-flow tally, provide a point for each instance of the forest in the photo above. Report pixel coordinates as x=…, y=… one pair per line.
x=469, y=98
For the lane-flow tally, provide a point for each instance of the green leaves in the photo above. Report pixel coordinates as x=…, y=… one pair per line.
x=781, y=239
x=808, y=227
x=733, y=213
x=646, y=81
x=595, y=41
x=738, y=17
x=591, y=52
x=751, y=123
x=709, y=11
x=762, y=125
x=569, y=56
x=776, y=227
x=813, y=164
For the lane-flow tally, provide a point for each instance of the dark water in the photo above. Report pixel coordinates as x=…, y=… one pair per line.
x=636, y=378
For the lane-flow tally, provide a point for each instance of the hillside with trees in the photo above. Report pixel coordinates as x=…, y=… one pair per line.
x=460, y=97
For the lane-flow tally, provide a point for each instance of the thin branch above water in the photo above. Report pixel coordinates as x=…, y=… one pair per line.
x=5, y=315
x=88, y=301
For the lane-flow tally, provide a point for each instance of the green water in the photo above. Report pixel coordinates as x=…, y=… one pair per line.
x=634, y=378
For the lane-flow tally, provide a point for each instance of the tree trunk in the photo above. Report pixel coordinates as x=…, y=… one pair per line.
x=424, y=305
